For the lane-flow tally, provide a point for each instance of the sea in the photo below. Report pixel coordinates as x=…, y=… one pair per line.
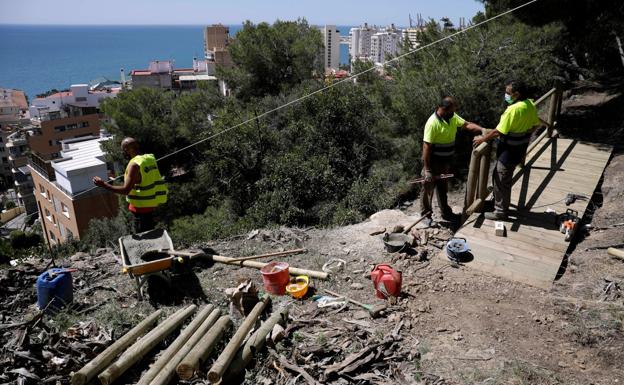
x=37, y=58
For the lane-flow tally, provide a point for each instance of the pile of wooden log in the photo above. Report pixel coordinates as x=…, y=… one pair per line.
x=188, y=352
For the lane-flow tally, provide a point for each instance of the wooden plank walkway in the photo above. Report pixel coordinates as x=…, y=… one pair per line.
x=533, y=250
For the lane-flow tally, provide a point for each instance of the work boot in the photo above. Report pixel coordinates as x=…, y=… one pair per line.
x=496, y=216
x=450, y=216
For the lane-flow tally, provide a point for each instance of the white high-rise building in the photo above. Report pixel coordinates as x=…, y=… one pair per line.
x=331, y=57
x=411, y=35
x=354, y=42
x=383, y=44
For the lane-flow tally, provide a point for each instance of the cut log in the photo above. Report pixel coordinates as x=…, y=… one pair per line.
x=254, y=344
x=615, y=253
x=219, y=366
x=259, y=265
x=168, y=371
x=201, y=351
x=157, y=366
x=99, y=363
x=277, y=254
x=144, y=345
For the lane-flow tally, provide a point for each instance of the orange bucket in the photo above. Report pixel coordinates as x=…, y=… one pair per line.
x=275, y=277
x=299, y=288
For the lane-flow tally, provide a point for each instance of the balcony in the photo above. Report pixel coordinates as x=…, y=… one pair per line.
x=43, y=167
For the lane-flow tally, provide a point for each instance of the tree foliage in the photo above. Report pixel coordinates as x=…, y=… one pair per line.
x=271, y=59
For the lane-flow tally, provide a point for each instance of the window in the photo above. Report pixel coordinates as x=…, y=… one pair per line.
x=48, y=215
x=70, y=235
x=54, y=221
x=52, y=237
x=64, y=209
x=81, y=98
x=43, y=191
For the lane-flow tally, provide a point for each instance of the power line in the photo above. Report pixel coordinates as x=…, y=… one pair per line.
x=332, y=85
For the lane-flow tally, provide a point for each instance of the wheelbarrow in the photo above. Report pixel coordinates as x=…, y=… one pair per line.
x=152, y=254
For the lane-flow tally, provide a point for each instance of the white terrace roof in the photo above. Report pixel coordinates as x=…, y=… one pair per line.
x=80, y=155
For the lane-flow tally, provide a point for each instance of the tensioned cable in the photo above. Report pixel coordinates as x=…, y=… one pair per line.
x=334, y=84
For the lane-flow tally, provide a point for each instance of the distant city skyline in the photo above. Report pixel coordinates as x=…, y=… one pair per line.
x=199, y=12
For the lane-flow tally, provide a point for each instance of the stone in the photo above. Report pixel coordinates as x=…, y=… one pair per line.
x=356, y=286
x=79, y=256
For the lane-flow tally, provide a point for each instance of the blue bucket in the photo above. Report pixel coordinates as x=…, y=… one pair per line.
x=54, y=285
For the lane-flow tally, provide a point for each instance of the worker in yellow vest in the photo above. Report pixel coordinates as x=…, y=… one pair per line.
x=437, y=155
x=143, y=186
x=514, y=133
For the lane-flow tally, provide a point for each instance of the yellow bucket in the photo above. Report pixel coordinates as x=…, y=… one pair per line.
x=299, y=288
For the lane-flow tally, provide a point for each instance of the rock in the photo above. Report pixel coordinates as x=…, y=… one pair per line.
x=441, y=329
x=79, y=256
x=378, y=231
x=278, y=333
x=102, y=250
x=457, y=336
x=356, y=286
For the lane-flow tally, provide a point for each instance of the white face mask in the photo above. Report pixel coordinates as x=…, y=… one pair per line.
x=508, y=98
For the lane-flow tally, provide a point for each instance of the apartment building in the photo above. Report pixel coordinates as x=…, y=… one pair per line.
x=216, y=37
x=384, y=44
x=65, y=204
x=162, y=74
x=17, y=148
x=13, y=113
x=331, y=41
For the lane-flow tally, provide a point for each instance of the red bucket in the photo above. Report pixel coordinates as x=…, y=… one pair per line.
x=275, y=277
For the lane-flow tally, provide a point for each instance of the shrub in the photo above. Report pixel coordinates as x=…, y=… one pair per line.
x=10, y=205
x=22, y=240
x=102, y=231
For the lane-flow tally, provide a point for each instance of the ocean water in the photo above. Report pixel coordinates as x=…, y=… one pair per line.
x=39, y=58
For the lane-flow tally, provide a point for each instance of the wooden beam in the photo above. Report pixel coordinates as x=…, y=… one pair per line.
x=260, y=265
x=201, y=351
x=474, y=207
x=144, y=345
x=473, y=175
x=165, y=357
x=545, y=96
x=254, y=344
x=99, y=363
x=616, y=253
x=484, y=173
x=168, y=371
x=218, y=368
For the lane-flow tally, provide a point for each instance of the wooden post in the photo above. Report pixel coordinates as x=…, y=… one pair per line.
x=484, y=173
x=168, y=371
x=99, y=363
x=144, y=345
x=260, y=265
x=219, y=366
x=254, y=344
x=553, y=107
x=616, y=253
x=165, y=357
x=202, y=349
x=471, y=186
x=277, y=254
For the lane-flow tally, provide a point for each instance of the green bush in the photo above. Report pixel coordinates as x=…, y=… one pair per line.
x=102, y=231
x=10, y=205
x=22, y=240
x=216, y=222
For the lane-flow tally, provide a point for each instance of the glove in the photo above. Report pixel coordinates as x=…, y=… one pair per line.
x=428, y=176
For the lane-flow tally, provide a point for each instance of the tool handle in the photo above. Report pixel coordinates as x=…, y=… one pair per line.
x=437, y=177
x=408, y=228
x=348, y=299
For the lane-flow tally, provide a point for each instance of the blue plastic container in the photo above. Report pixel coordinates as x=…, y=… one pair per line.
x=56, y=288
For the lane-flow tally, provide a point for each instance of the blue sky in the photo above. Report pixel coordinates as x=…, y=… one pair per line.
x=341, y=12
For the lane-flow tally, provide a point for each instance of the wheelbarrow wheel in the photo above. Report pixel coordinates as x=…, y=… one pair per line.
x=158, y=289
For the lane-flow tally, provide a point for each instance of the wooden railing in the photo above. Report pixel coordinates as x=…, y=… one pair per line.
x=479, y=171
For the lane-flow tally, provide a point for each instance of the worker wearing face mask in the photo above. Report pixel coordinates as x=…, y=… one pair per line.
x=514, y=132
x=437, y=155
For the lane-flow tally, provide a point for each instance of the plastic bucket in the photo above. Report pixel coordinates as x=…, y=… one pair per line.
x=55, y=286
x=275, y=277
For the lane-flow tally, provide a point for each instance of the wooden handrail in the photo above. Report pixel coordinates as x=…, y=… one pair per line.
x=545, y=96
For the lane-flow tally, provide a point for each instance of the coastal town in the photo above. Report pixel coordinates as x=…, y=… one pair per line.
x=404, y=200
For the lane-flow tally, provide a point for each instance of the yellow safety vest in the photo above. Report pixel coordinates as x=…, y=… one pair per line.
x=152, y=191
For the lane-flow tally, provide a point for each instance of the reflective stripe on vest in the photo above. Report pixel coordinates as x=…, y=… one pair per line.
x=446, y=149
x=516, y=138
x=152, y=191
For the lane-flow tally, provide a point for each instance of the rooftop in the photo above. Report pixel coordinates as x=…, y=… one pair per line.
x=79, y=155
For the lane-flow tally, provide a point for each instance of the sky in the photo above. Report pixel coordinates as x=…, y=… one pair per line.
x=194, y=12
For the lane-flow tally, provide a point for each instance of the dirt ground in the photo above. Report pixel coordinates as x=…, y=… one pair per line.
x=452, y=325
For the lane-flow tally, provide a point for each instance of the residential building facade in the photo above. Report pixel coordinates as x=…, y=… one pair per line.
x=331, y=41
x=63, y=192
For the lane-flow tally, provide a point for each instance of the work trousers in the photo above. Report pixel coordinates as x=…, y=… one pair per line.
x=143, y=222
x=502, y=177
x=440, y=187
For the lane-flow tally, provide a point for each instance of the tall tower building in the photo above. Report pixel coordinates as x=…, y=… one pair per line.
x=331, y=39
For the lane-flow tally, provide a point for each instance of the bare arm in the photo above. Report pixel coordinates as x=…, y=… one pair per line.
x=486, y=138
x=426, y=155
x=134, y=177
x=474, y=128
